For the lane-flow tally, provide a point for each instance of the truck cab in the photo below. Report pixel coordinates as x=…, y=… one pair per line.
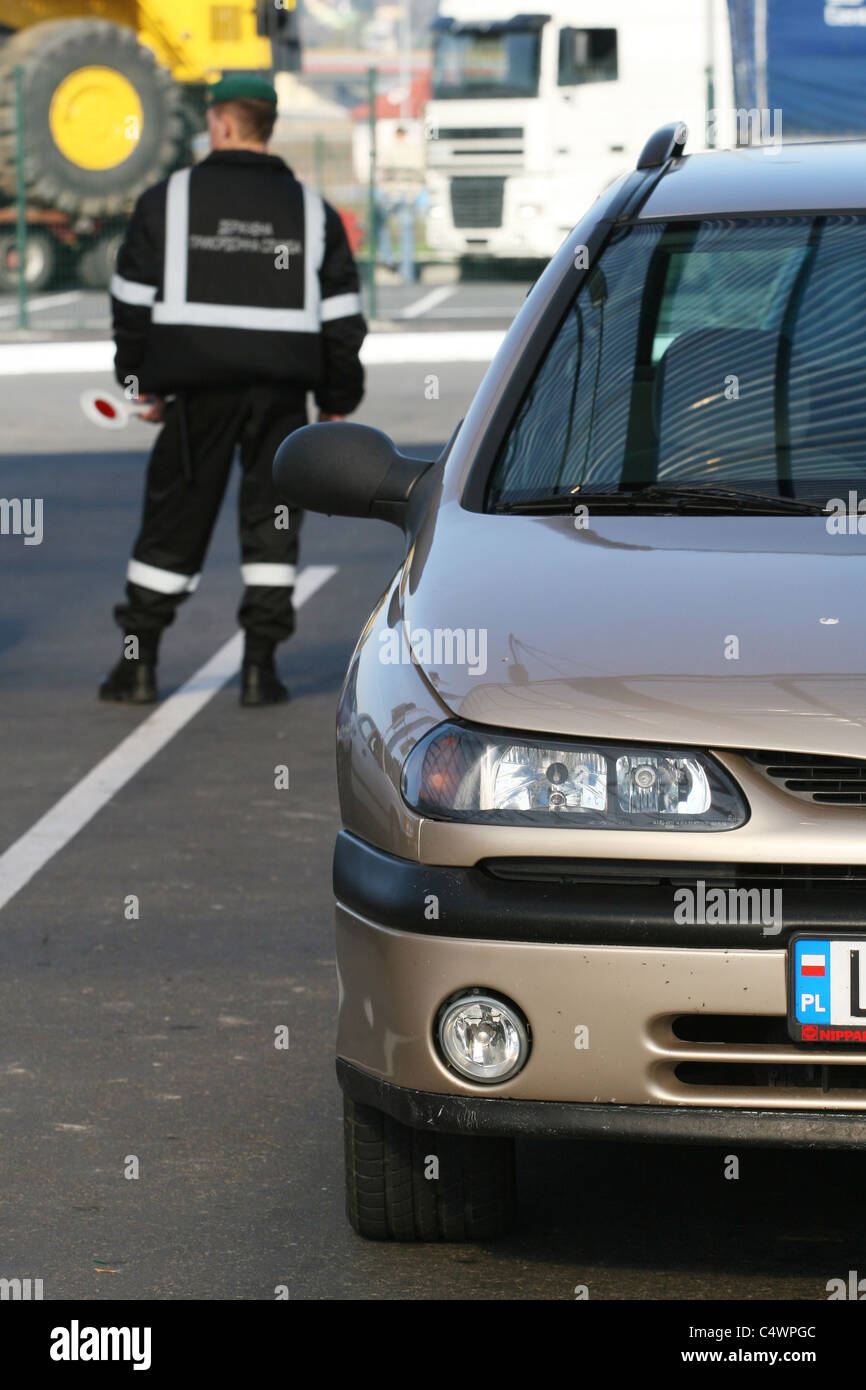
x=532, y=114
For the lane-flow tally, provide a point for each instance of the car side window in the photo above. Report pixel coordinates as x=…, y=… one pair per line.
x=703, y=352
x=573, y=422
x=748, y=289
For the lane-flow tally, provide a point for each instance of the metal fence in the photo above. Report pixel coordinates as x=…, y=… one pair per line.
x=56, y=264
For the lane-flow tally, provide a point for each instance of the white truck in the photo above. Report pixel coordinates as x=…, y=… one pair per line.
x=531, y=115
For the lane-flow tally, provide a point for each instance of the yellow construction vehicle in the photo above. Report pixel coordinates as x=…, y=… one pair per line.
x=111, y=91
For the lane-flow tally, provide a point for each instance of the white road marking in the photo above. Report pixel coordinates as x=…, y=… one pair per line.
x=30, y=359
x=71, y=813
x=45, y=301
x=380, y=349
x=390, y=349
x=429, y=301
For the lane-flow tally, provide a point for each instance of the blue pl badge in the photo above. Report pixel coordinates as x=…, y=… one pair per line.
x=812, y=981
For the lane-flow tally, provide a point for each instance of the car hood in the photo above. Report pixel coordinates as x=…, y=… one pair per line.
x=739, y=631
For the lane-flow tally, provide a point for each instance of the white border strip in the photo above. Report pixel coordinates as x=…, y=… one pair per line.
x=72, y=812
x=380, y=349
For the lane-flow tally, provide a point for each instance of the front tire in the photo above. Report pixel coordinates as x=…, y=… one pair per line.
x=40, y=261
x=98, y=261
x=391, y=1190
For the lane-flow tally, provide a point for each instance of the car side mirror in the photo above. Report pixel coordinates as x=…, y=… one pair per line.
x=345, y=469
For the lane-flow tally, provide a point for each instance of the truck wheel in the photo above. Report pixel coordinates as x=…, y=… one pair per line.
x=40, y=261
x=468, y=1195
x=97, y=262
x=102, y=120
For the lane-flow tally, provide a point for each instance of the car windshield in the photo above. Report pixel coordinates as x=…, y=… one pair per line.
x=486, y=63
x=721, y=354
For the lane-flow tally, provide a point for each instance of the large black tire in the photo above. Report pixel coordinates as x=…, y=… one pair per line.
x=98, y=261
x=388, y=1196
x=48, y=53
x=41, y=261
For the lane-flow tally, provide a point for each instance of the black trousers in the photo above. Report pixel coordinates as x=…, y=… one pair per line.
x=186, y=481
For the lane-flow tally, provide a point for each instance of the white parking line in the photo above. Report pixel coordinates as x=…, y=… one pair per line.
x=46, y=301
x=429, y=301
x=71, y=813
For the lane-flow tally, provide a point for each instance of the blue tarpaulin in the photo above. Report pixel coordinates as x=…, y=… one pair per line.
x=804, y=57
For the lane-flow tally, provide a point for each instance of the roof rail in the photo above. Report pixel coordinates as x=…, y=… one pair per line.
x=667, y=142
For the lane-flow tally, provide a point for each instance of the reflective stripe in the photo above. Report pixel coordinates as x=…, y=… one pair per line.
x=176, y=237
x=237, y=316
x=131, y=291
x=174, y=307
x=269, y=576
x=314, y=251
x=162, y=581
x=340, y=306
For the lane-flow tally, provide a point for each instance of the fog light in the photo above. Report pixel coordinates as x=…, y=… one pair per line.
x=483, y=1038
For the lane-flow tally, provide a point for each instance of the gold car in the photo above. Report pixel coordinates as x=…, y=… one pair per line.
x=602, y=744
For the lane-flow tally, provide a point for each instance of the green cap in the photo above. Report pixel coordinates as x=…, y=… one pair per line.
x=242, y=87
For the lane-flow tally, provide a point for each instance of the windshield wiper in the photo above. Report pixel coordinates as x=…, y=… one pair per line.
x=665, y=497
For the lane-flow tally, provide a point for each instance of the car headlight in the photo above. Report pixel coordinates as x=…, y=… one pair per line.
x=458, y=773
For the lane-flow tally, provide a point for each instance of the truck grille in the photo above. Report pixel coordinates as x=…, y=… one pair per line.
x=829, y=781
x=499, y=132
x=477, y=202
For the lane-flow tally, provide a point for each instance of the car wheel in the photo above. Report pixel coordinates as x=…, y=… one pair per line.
x=97, y=262
x=396, y=1191
x=40, y=261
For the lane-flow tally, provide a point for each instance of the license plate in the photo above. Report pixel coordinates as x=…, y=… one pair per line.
x=827, y=990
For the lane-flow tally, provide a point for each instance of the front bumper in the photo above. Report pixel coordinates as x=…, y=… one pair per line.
x=626, y=1007
x=494, y=1116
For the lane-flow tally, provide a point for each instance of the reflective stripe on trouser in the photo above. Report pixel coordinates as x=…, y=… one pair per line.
x=179, y=515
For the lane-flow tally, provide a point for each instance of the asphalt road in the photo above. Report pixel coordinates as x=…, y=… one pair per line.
x=478, y=302
x=154, y=1038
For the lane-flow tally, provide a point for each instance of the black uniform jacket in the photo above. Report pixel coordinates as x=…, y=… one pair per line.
x=233, y=272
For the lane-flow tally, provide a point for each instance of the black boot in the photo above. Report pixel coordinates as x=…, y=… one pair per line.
x=260, y=684
x=131, y=682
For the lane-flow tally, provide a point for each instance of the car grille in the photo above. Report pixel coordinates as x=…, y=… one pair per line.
x=477, y=202
x=791, y=1076
x=752, y=1054
x=734, y=1029
x=650, y=873
x=829, y=781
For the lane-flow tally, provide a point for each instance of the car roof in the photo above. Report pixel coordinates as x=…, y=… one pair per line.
x=788, y=178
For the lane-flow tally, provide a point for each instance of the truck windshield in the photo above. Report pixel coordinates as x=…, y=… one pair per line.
x=486, y=63
x=726, y=354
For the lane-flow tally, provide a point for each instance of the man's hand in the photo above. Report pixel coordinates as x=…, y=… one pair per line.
x=325, y=417
x=156, y=413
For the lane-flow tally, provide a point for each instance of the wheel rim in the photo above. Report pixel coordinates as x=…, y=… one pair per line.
x=35, y=262
x=95, y=118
